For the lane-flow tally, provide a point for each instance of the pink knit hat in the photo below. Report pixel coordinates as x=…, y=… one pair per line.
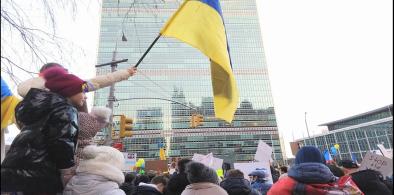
x=59, y=81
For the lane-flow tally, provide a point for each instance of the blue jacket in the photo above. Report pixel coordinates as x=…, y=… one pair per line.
x=261, y=186
x=238, y=186
x=311, y=173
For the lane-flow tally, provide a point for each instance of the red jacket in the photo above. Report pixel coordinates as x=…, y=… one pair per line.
x=288, y=186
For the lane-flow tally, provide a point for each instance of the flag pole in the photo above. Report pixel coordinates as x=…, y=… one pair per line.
x=147, y=51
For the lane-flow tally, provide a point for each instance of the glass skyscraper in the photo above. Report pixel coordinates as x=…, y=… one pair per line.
x=356, y=135
x=174, y=82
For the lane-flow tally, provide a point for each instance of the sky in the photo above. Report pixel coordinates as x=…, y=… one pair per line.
x=330, y=59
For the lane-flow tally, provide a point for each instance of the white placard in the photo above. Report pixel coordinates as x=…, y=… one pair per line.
x=263, y=152
x=247, y=168
x=384, y=151
x=130, y=160
x=377, y=162
x=209, y=160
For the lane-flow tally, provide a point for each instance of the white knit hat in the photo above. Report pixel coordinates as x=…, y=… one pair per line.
x=101, y=113
x=102, y=160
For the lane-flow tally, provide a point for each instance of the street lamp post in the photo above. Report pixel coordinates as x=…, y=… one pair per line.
x=306, y=124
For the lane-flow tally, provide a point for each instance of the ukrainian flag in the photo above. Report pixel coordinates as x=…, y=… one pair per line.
x=8, y=104
x=200, y=24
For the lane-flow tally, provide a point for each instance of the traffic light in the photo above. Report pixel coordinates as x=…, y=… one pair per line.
x=126, y=126
x=196, y=120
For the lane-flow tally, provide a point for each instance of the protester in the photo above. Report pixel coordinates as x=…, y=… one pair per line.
x=93, y=84
x=338, y=172
x=89, y=125
x=128, y=185
x=259, y=180
x=370, y=182
x=310, y=176
x=348, y=166
x=236, y=184
x=283, y=171
x=41, y=157
x=274, y=174
x=100, y=172
x=204, y=180
x=178, y=181
x=141, y=178
x=157, y=186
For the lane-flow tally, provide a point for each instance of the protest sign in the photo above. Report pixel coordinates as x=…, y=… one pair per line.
x=208, y=160
x=247, y=168
x=156, y=165
x=377, y=162
x=263, y=152
x=129, y=161
x=384, y=151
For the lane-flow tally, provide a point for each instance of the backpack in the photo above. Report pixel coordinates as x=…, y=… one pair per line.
x=343, y=186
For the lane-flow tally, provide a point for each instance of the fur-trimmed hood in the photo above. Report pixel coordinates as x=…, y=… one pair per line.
x=104, y=161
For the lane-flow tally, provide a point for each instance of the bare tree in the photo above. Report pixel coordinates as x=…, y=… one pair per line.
x=26, y=45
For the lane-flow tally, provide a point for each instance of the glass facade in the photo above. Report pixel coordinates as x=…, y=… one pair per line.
x=174, y=81
x=366, y=131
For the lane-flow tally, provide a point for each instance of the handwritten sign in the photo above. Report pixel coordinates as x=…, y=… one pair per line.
x=377, y=162
x=208, y=160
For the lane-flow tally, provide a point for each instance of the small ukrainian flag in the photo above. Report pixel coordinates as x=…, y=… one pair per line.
x=8, y=104
x=200, y=24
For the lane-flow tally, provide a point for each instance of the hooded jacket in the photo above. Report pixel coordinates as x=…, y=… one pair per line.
x=46, y=143
x=238, y=186
x=311, y=179
x=98, y=174
x=204, y=188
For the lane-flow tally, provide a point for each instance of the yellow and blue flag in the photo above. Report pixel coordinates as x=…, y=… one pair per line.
x=200, y=24
x=8, y=104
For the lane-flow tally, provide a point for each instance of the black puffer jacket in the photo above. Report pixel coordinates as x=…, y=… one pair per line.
x=238, y=186
x=146, y=190
x=46, y=143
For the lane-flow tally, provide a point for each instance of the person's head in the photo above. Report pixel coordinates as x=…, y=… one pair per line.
x=151, y=174
x=197, y=172
x=160, y=182
x=181, y=165
x=234, y=173
x=129, y=177
x=104, y=155
x=141, y=178
x=338, y=172
x=283, y=169
x=50, y=65
x=348, y=166
x=73, y=88
x=309, y=154
x=259, y=175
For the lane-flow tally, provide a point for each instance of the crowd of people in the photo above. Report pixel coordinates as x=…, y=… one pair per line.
x=54, y=154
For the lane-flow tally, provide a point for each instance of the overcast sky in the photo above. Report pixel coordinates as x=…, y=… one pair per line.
x=331, y=59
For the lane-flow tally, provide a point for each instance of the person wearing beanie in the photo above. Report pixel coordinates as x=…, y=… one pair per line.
x=203, y=179
x=100, y=172
x=259, y=180
x=178, y=182
x=310, y=176
x=41, y=157
x=236, y=184
x=89, y=124
x=93, y=84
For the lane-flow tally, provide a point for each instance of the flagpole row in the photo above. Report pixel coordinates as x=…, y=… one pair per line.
x=147, y=51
